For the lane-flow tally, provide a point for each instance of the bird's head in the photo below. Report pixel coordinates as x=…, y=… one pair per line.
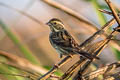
x=55, y=25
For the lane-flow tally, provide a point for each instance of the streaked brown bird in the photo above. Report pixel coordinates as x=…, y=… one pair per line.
x=63, y=42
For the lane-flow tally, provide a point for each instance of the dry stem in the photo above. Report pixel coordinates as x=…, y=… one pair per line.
x=101, y=71
x=113, y=11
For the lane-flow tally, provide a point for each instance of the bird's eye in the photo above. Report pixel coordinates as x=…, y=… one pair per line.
x=55, y=23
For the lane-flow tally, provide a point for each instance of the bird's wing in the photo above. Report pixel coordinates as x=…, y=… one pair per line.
x=64, y=39
x=66, y=42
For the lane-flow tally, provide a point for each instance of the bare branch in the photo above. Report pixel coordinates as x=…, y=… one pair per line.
x=113, y=11
x=55, y=67
x=77, y=16
x=115, y=76
x=21, y=62
x=101, y=71
x=68, y=11
x=20, y=75
x=90, y=26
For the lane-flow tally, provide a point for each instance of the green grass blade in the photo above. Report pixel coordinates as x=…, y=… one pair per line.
x=102, y=21
x=24, y=50
x=6, y=70
x=101, y=17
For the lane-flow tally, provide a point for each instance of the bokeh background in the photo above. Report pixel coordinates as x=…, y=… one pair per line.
x=34, y=36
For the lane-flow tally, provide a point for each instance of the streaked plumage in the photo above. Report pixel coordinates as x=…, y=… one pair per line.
x=63, y=42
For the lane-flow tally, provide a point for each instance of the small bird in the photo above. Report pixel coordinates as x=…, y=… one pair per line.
x=63, y=42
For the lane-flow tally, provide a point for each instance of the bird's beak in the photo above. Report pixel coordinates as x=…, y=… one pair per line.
x=48, y=24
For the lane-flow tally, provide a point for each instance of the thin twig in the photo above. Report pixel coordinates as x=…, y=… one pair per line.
x=101, y=71
x=99, y=46
x=113, y=11
x=82, y=60
x=91, y=26
x=72, y=68
x=108, y=12
x=96, y=52
x=52, y=76
x=88, y=41
x=55, y=67
x=104, y=44
x=115, y=76
x=31, y=74
x=20, y=75
x=20, y=68
x=88, y=62
x=98, y=33
x=105, y=11
x=68, y=11
x=22, y=62
x=76, y=15
x=58, y=7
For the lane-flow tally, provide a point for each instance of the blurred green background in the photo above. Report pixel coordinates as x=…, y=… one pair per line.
x=29, y=39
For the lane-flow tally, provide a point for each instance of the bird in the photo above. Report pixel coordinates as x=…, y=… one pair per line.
x=63, y=42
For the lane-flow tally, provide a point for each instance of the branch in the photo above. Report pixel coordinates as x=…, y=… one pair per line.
x=95, y=49
x=89, y=25
x=115, y=76
x=55, y=67
x=101, y=71
x=21, y=62
x=81, y=19
x=68, y=11
x=72, y=69
x=113, y=11
x=20, y=75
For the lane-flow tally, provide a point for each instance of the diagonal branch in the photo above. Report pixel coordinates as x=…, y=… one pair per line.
x=97, y=51
x=113, y=11
x=115, y=76
x=68, y=11
x=101, y=71
x=81, y=19
x=97, y=48
x=22, y=62
x=71, y=70
x=53, y=3
x=20, y=75
x=85, y=66
x=54, y=68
